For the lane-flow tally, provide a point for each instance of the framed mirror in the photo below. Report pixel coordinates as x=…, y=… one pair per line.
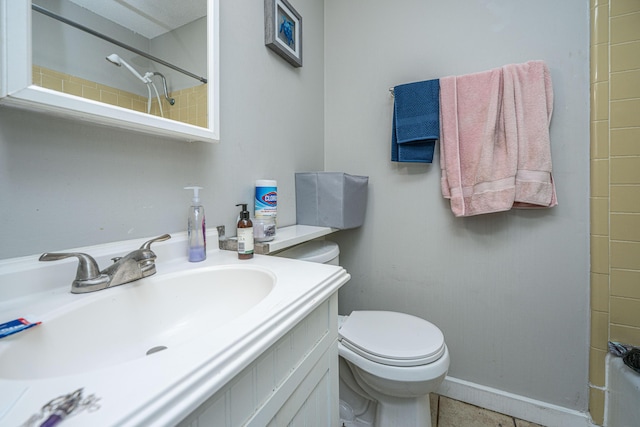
x=145, y=65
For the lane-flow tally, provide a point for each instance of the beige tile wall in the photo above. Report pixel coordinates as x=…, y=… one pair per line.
x=190, y=106
x=615, y=185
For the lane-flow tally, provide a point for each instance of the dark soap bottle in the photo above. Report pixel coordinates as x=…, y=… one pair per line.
x=245, y=234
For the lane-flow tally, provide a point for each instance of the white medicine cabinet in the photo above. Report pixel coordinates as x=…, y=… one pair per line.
x=146, y=65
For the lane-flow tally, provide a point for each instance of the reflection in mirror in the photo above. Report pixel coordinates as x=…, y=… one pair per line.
x=146, y=55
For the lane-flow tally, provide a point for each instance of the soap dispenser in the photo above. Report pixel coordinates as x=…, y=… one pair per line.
x=196, y=229
x=245, y=234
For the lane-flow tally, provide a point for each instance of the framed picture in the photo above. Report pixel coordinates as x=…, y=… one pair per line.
x=283, y=30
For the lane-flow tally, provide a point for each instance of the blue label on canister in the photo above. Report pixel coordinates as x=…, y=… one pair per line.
x=266, y=203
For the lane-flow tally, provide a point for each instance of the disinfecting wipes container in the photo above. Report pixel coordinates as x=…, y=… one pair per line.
x=266, y=198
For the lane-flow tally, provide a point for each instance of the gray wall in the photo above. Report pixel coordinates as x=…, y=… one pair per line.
x=66, y=184
x=509, y=290
x=184, y=47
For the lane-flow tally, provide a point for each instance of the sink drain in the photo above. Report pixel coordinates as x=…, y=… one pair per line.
x=156, y=349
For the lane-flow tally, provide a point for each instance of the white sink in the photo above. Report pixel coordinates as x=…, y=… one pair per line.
x=152, y=315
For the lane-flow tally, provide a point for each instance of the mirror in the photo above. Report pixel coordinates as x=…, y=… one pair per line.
x=148, y=65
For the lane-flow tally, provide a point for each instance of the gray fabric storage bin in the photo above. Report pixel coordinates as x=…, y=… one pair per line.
x=331, y=199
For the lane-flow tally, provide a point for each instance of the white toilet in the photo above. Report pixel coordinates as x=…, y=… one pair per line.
x=389, y=361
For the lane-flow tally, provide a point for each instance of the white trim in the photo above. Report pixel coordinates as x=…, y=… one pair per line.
x=213, y=68
x=514, y=405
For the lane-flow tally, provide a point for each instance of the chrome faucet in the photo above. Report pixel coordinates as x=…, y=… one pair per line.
x=133, y=266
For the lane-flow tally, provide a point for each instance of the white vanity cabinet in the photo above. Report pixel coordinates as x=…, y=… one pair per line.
x=294, y=382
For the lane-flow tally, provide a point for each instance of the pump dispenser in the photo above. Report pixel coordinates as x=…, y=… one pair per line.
x=245, y=234
x=196, y=227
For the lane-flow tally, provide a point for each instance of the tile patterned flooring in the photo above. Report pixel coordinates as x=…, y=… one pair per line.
x=447, y=412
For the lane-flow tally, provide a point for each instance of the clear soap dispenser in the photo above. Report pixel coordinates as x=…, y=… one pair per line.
x=196, y=228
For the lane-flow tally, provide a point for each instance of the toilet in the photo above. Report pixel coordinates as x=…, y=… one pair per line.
x=389, y=361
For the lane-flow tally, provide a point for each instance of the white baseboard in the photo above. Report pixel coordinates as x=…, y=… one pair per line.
x=513, y=405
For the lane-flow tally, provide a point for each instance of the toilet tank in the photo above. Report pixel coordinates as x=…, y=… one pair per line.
x=320, y=251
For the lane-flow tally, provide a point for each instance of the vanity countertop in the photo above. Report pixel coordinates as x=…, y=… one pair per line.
x=165, y=387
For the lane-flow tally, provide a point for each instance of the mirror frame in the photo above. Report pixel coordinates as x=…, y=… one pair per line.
x=17, y=90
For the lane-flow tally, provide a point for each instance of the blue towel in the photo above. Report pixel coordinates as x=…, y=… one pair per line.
x=416, y=121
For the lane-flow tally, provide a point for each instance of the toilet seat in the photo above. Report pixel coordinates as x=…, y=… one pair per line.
x=391, y=338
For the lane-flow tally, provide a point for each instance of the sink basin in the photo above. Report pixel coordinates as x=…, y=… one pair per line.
x=134, y=321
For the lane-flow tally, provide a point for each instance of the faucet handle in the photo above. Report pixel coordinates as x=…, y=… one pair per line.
x=87, y=274
x=147, y=245
x=87, y=266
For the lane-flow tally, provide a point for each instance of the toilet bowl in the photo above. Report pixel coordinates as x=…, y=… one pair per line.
x=396, y=360
x=389, y=361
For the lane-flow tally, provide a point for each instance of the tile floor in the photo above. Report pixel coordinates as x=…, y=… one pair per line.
x=447, y=412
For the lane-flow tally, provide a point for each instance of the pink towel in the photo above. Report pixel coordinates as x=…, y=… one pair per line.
x=494, y=143
x=527, y=110
x=478, y=162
